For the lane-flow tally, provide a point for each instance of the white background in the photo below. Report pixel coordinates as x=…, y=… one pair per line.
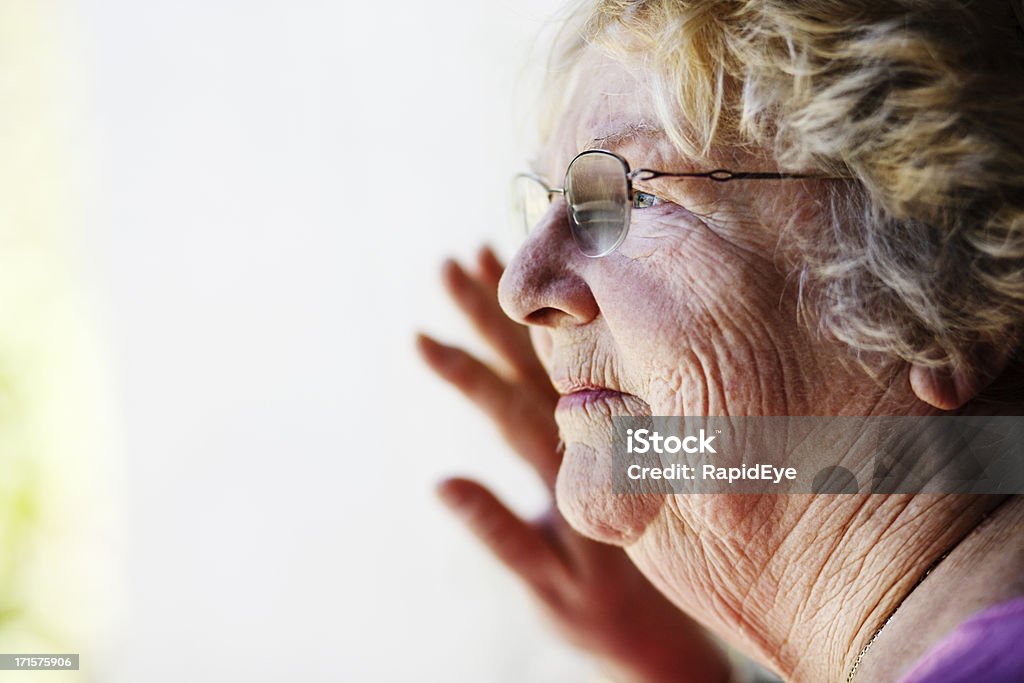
x=271, y=185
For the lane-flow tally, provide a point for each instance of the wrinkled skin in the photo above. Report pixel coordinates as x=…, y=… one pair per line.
x=591, y=592
x=694, y=315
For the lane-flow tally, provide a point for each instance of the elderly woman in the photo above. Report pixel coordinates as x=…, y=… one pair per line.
x=758, y=208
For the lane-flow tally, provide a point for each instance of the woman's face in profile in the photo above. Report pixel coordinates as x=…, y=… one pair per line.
x=691, y=315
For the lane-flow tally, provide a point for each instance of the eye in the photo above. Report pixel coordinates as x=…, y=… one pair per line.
x=644, y=200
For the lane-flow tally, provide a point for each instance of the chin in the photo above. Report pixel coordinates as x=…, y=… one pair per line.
x=585, y=498
x=583, y=490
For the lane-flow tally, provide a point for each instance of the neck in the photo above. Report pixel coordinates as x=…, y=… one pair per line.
x=979, y=572
x=803, y=582
x=883, y=547
x=830, y=570
x=919, y=565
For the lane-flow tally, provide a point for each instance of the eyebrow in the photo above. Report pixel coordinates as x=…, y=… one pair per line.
x=628, y=133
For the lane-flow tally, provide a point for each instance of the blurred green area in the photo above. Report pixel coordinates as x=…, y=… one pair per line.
x=58, y=541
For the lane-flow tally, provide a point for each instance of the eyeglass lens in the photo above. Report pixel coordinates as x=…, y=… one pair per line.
x=597, y=197
x=597, y=192
x=531, y=201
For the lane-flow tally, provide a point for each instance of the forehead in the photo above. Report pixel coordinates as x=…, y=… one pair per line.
x=608, y=102
x=611, y=108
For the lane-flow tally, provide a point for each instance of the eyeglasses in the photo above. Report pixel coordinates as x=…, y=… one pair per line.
x=599, y=196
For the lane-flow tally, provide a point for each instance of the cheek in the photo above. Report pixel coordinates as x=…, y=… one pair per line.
x=697, y=320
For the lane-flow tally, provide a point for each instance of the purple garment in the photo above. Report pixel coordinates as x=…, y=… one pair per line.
x=987, y=648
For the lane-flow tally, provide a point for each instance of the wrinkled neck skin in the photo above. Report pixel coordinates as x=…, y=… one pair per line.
x=983, y=570
x=802, y=582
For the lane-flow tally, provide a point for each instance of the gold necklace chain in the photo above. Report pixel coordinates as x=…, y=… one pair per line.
x=878, y=632
x=860, y=655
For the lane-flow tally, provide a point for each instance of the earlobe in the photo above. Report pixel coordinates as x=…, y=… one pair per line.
x=949, y=389
x=941, y=388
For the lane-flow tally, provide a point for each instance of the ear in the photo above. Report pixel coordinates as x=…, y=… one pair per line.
x=949, y=389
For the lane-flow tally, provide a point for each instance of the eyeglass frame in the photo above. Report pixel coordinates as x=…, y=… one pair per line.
x=720, y=175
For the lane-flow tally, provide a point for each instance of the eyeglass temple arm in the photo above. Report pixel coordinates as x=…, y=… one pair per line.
x=543, y=183
x=722, y=175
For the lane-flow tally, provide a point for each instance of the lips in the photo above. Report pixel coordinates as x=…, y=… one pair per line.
x=582, y=396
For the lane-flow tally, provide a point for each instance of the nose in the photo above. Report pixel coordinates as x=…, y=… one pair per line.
x=544, y=283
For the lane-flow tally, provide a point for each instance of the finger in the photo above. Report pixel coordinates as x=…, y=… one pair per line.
x=479, y=302
x=473, y=378
x=526, y=423
x=517, y=544
x=489, y=267
x=478, y=299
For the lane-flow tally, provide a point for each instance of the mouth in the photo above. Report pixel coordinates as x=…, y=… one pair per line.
x=586, y=396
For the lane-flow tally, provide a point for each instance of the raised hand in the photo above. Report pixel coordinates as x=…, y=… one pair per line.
x=593, y=593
